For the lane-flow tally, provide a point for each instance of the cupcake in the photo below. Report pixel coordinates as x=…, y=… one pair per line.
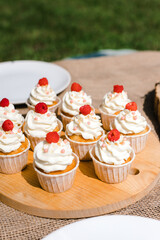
x=113, y=103
x=112, y=157
x=39, y=122
x=13, y=148
x=55, y=163
x=7, y=111
x=133, y=125
x=42, y=92
x=72, y=101
x=84, y=131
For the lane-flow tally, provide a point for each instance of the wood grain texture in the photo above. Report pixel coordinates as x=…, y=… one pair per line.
x=88, y=196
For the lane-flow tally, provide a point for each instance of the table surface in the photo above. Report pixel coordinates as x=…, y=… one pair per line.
x=138, y=72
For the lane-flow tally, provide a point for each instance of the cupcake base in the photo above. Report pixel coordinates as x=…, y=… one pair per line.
x=65, y=119
x=82, y=148
x=138, y=141
x=57, y=183
x=107, y=119
x=111, y=173
x=14, y=163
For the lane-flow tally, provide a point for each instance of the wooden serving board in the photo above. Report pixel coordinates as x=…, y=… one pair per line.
x=88, y=196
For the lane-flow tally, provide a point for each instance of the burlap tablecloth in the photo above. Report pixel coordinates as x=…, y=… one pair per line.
x=138, y=73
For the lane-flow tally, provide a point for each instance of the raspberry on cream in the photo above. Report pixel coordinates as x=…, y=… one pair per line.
x=86, y=125
x=11, y=137
x=40, y=121
x=74, y=99
x=41, y=108
x=53, y=154
x=85, y=110
x=115, y=101
x=7, y=125
x=8, y=111
x=52, y=137
x=132, y=106
x=42, y=92
x=130, y=122
x=113, y=148
x=4, y=102
x=43, y=82
x=76, y=87
x=118, y=88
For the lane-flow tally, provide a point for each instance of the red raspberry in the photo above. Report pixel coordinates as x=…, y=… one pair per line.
x=85, y=110
x=118, y=88
x=43, y=82
x=7, y=125
x=132, y=106
x=41, y=108
x=76, y=87
x=4, y=102
x=52, y=137
x=113, y=135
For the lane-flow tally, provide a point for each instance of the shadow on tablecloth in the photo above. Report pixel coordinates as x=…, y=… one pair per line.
x=148, y=108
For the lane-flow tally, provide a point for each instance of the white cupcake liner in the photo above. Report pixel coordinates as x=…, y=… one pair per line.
x=107, y=119
x=66, y=119
x=35, y=140
x=57, y=183
x=52, y=108
x=81, y=148
x=111, y=173
x=138, y=142
x=10, y=164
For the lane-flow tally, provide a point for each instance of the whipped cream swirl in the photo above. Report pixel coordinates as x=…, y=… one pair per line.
x=42, y=94
x=73, y=100
x=129, y=122
x=113, y=152
x=11, y=140
x=11, y=114
x=114, y=102
x=37, y=125
x=53, y=157
x=89, y=126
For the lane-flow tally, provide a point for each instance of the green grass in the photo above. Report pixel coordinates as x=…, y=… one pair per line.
x=49, y=30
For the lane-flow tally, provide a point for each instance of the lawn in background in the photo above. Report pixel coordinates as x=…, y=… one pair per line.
x=49, y=30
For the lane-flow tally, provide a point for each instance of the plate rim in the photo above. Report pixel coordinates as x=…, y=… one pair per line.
x=61, y=229
x=61, y=89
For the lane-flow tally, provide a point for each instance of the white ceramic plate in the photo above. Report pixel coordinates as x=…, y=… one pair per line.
x=114, y=227
x=17, y=78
